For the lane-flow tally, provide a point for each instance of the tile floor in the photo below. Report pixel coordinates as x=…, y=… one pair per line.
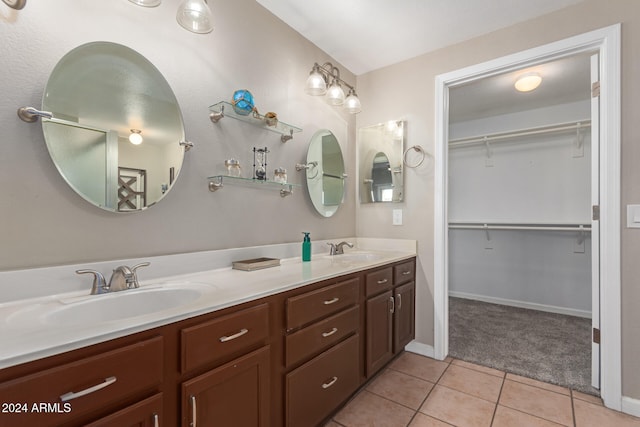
x=416, y=391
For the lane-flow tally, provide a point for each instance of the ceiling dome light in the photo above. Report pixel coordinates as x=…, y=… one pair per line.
x=195, y=16
x=135, y=137
x=528, y=82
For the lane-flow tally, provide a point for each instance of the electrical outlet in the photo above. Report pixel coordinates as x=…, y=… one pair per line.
x=397, y=217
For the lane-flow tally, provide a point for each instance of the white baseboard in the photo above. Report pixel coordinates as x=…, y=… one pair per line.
x=419, y=348
x=523, y=304
x=631, y=406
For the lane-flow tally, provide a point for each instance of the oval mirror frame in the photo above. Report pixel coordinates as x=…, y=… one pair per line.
x=105, y=97
x=325, y=173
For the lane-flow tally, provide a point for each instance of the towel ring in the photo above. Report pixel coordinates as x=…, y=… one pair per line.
x=418, y=149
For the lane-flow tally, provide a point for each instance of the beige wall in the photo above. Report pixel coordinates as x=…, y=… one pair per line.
x=43, y=222
x=406, y=90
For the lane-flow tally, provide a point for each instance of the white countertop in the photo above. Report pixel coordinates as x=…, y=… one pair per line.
x=27, y=334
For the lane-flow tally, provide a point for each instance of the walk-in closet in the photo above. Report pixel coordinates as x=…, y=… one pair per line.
x=520, y=216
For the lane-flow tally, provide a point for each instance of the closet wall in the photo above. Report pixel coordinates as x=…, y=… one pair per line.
x=538, y=181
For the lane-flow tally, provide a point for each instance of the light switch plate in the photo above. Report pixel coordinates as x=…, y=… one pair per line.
x=397, y=217
x=633, y=216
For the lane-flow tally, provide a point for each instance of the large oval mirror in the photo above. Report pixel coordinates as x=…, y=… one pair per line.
x=116, y=131
x=380, y=164
x=325, y=173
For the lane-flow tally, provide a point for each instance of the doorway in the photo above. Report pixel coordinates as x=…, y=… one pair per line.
x=606, y=42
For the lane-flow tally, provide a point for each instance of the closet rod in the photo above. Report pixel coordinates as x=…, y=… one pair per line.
x=525, y=132
x=577, y=227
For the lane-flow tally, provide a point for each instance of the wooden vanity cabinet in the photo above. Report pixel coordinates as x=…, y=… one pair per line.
x=390, y=313
x=322, y=333
x=289, y=359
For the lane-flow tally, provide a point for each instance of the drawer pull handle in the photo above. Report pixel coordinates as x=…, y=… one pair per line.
x=331, y=332
x=331, y=382
x=234, y=336
x=156, y=420
x=399, y=301
x=194, y=412
x=393, y=305
x=406, y=273
x=331, y=301
x=74, y=395
x=383, y=281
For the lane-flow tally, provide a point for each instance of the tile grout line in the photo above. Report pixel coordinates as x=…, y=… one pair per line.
x=495, y=409
x=573, y=409
x=428, y=394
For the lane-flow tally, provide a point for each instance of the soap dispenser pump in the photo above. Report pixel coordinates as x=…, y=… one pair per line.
x=306, y=247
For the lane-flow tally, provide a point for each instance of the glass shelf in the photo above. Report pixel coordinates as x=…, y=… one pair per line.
x=225, y=109
x=217, y=182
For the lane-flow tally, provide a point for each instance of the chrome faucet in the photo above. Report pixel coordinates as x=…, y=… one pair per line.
x=338, y=249
x=122, y=278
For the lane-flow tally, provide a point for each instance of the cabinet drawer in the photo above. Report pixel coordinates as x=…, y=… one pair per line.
x=306, y=308
x=225, y=337
x=147, y=413
x=317, y=388
x=379, y=281
x=321, y=335
x=404, y=272
x=86, y=385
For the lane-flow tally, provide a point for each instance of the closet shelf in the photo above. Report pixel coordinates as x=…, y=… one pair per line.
x=503, y=136
x=519, y=226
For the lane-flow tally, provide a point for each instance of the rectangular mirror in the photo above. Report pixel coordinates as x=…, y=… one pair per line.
x=380, y=168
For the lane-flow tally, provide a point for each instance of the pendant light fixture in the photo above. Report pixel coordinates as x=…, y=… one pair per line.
x=147, y=3
x=195, y=16
x=317, y=82
x=15, y=4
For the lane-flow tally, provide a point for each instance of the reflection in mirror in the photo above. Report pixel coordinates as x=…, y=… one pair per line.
x=380, y=155
x=116, y=130
x=325, y=173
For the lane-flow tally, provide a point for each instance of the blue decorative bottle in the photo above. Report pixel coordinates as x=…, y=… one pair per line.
x=306, y=247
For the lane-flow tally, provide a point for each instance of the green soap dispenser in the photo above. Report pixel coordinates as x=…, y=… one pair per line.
x=306, y=247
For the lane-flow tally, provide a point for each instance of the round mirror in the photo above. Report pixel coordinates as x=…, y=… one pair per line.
x=325, y=172
x=116, y=131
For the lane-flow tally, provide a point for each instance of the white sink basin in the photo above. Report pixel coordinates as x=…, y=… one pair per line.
x=117, y=306
x=123, y=305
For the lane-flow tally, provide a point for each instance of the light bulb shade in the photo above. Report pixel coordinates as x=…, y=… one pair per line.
x=352, y=103
x=528, y=82
x=147, y=3
x=315, y=84
x=335, y=94
x=195, y=16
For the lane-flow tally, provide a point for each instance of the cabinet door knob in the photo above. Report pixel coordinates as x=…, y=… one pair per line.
x=331, y=382
x=331, y=301
x=234, y=336
x=74, y=395
x=331, y=332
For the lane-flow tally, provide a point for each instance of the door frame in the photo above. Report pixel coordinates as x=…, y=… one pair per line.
x=606, y=42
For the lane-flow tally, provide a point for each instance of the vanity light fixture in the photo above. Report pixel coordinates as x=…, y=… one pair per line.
x=195, y=16
x=528, y=82
x=135, y=137
x=317, y=82
x=15, y=4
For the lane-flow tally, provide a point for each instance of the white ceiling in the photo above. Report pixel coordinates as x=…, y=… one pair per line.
x=364, y=35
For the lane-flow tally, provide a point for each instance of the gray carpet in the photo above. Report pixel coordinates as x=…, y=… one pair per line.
x=549, y=347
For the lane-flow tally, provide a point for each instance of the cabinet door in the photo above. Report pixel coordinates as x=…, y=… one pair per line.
x=404, y=316
x=379, y=331
x=235, y=394
x=146, y=413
